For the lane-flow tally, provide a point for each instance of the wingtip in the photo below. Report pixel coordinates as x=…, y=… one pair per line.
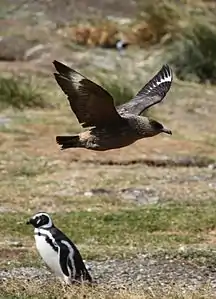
x=167, y=70
x=55, y=62
x=61, y=67
x=167, y=67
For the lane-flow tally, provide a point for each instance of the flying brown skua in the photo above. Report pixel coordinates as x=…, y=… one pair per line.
x=110, y=127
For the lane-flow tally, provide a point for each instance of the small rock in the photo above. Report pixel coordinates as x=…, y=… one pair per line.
x=88, y=194
x=6, y=210
x=212, y=166
x=13, y=48
x=4, y=120
x=140, y=195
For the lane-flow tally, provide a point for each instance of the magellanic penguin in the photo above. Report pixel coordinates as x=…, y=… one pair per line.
x=110, y=127
x=57, y=250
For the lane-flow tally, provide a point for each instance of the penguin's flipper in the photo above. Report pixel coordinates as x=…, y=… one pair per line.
x=63, y=259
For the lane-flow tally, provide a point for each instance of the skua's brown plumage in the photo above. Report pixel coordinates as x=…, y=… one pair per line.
x=110, y=127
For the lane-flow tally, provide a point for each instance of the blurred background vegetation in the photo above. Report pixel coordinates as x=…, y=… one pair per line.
x=184, y=31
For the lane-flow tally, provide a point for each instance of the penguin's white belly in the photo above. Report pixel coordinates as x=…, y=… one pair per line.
x=50, y=257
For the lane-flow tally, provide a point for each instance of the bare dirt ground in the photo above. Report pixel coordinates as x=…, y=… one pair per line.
x=142, y=272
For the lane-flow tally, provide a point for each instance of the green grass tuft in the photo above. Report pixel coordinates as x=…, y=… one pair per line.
x=121, y=92
x=20, y=93
x=168, y=225
x=193, y=55
x=162, y=19
x=189, y=30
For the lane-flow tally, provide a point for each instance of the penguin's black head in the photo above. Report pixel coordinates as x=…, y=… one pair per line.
x=41, y=220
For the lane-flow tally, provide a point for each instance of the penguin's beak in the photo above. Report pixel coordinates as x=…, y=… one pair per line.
x=29, y=221
x=167, y=131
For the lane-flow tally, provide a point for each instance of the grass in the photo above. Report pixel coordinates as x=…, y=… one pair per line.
x=188, y=29
x=195, y=46
x=20, y=93
x=162, y=19
x=37, y=291
x=121, y=92
x=126, y=232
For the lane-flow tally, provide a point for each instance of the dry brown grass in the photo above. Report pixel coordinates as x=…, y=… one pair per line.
x=34, y=289
x=155, y=22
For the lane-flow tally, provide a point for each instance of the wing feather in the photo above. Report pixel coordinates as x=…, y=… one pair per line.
x=92, y=105
x=152, y=93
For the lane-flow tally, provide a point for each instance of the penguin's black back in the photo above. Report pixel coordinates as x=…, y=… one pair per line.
x=81, y=270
